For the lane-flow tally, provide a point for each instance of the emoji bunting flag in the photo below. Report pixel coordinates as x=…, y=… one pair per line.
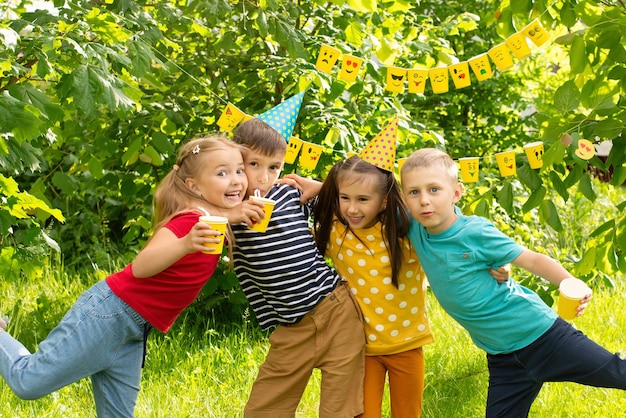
x=230, y=118
x=327, y=58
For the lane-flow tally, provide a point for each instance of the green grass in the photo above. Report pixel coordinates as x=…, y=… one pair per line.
x=205, y=369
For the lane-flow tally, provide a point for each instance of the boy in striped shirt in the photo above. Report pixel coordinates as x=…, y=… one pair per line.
x=316, y=321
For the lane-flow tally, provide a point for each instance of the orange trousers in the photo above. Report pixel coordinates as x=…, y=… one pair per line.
x=406, y=384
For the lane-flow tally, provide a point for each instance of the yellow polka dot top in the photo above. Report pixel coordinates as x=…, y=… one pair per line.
x=395, y=318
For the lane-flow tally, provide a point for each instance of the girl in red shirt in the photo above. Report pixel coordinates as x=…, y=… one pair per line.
x=103, y=335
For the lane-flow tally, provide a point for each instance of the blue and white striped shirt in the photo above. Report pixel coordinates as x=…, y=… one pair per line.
x=281, y=272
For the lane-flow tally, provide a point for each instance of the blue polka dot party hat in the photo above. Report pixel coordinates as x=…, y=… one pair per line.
x=283, y=117
x=381, y=151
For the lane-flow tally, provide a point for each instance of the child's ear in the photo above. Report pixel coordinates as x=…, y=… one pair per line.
x=191, y=184
x=458, y=192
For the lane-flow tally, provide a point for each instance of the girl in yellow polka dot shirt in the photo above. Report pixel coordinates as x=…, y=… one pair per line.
x=361, y=224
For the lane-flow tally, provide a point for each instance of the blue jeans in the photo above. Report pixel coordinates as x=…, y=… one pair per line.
x=101, y=337
x=561, y=354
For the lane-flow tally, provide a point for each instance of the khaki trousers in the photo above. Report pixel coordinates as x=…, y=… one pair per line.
x=331, y=338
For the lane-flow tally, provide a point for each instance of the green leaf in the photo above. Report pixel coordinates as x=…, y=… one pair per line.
x=63, y=182
x=587, y=263
x=29, y=94
x=18, y=118
x=151, y=156
x=598, y=94
x=608, y=128
x=549, y=214
x=504, y=196
x=603, y=228
x=162, y=143
x=534, y=200
x=586, y=188
x=529, y=177
x=95, y=167
x=261, y=22
x=482, y=208
x=558, y=185
x=578, y=55
x=567, y=97
x=363, y=5
x=554, y=154
x=141, y=57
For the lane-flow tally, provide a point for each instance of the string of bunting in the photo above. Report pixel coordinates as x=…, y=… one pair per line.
x=283, y=117
x=439, y=77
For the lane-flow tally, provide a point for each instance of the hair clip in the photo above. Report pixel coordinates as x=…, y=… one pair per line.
x=196, y=149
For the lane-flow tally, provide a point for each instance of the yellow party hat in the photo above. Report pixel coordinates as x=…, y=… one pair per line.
x=283, y=117
x=381, y=151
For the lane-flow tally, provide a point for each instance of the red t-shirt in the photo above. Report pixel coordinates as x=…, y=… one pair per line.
x=161, y=298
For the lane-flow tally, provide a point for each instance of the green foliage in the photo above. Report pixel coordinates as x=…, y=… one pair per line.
x=97, y=96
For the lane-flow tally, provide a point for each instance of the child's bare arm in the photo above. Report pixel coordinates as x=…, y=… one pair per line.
x=543, y=266
x=165, y=248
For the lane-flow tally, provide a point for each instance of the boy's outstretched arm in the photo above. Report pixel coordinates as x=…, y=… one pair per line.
x=543, y=266
x=548, y=268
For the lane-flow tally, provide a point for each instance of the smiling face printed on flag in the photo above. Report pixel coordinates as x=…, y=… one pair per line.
x=350, y=67
x=395, y=79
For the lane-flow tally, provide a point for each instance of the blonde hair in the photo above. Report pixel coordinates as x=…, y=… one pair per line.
x=172, y=194
x=429, y=157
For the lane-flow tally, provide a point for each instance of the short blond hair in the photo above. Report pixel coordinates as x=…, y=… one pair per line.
x=429, y=157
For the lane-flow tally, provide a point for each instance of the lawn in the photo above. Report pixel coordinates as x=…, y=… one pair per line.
x=205, y=369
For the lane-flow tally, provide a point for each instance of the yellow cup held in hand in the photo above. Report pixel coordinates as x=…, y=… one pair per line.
x=268, y=208
x=217, y=223
x=571, y=292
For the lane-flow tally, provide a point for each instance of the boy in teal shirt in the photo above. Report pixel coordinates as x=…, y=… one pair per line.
x=527, y=344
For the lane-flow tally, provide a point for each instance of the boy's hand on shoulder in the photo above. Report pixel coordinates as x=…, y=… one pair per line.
x=309, y=187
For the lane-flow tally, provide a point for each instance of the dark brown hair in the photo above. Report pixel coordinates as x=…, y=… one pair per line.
x=257, y=135
x=394, y=218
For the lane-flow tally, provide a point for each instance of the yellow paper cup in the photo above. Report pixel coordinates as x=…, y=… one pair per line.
x=268, y=208
x=506, y=163
x=501, y=57
x=218, y=223
x=417, y=80
x=518, y=46
x=571, y=292
x=469, y=169
x=534, y=153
